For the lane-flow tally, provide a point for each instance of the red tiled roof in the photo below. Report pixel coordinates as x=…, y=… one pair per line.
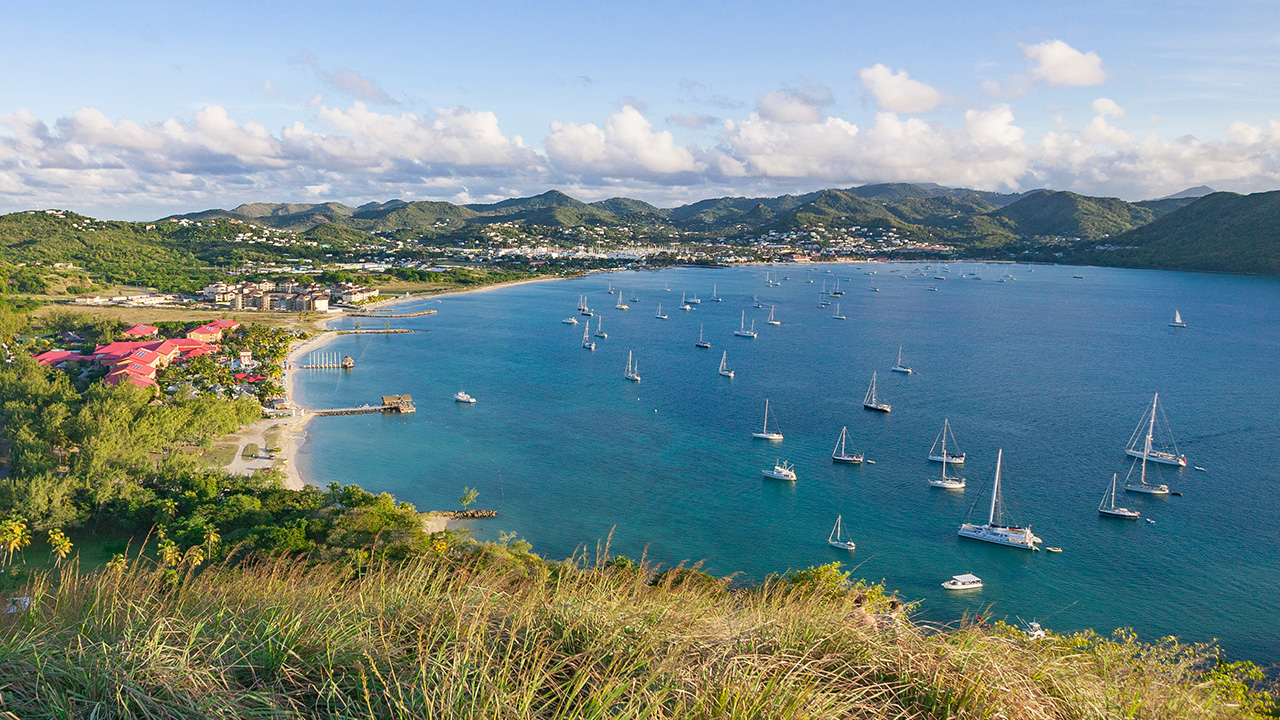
x=223, y=324
x=139, y=380
x=141, y=331
x=198, y=351
x=56, y=357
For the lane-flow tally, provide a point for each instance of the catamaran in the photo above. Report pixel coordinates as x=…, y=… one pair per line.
x=701, y=343
x=995, y=531
x=742, y=330
x=764, y=433
x=1107, y=506
x=840, y=455
x=771, y=320
x=1177, y=320
x=633, y=369
x=836, y=291
x=714, y=296
x=724, y=367
x=836, y=315
x=781, y=470
x=586, y=338
x=659, y=314
x=1164, y=455
x=945, y=457
x=900, y=367
x=836, y=538
x=870, y=402
x=600, y=333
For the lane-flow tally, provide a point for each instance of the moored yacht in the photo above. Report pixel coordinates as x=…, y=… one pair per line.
x=840, y=455
x=659, y=315
x=633, y=369
x=701, y=343
x=900, y=368
x=995, y=531
x=724, y=367
x=968, y=581
x=836, y=538
x=1144, y=447
x=764, y=433
x=462, y=397
x=871, y=402
x=742, y=330
x=942, y=456
x=1107, y=506
x=772, y=320
x=782, y=470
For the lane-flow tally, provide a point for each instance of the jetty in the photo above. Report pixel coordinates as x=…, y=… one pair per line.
x=398, y=404
x=386, y=331
x=326, y=361
x=390, y=315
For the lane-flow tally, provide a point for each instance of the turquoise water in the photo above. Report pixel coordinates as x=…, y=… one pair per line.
x=1053, y=369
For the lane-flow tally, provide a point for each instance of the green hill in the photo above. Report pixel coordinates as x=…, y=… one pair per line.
x=1065, y=214
x=1222, y=232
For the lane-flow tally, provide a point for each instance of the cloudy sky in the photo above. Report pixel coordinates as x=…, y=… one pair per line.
x=167, y=107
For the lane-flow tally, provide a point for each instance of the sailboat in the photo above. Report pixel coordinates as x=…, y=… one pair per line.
x=1177, y=320
x=870, y=402
x=610, y=291
x=666, y=287
x=945, y=457
x=586, y=338
x=695, y=299
x=634, y=297
x=724, y=366
x=836, y=291
x=583, y=308
x=659, y=314
x=600, y=333
x=714, y=296
x=1163, y=455
x=836, y=539
x=836, y=315
x=764, y=433
x=771, y=320
x=701, y=343
x=621, y=305
x=781, y=470
x=900, y=367
x=1143, y=486
x=822, y=301
x=633, y=369
x=995, y=531
x=755, y=302
x=684, y=305
x=840, y=455
x=944, y=482
x=742, y=330
x=1107, y=506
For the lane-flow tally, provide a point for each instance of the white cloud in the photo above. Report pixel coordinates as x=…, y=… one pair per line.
x=1057, y=63
x=627, y=145
x=348, y=81
x=802, y=105
x=896, y=92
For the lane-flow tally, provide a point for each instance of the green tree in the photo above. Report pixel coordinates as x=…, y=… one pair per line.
x=14, y=536
x=59, y=545
x=469, y=496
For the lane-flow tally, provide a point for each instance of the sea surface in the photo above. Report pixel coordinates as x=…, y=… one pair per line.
x=1054, y=369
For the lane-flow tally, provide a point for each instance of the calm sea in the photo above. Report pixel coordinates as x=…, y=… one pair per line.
x=1056, y=370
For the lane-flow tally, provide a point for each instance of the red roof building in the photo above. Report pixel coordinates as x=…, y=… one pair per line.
x=141, y=331
x=212, y=332
x=53, y=358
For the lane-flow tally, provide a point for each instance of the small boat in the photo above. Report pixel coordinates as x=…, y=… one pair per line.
x=742, y=330
x=1054, y=549
x=771, y=320
x=1107, y=506
x=714, y=296
x=610, y=290
x=586, y=338
x=1201, y=469
x=724, y=367
x=995, y=531
x=633, y=369
x=684, y=305
x=1177, y=320
x=659, y=314
x=764, y=433
x=570, y=321
x=1033, y=631
x=900, y=367
x=870, y=402
x=781, y=470
x=873, y=289
x=933, y=289
x=945, y=457
x=1078, y=277
x=1153, y=522
x=836, y=315
x=968, y=581
x=939, y=277
x=666, y=287
x=1168, y=454
x=695, y=299
x=840, y=455
x=701, y=343
x=836, y=538
x=635, y=298
x=600, y=333
x=755, y=302
x=462, y=397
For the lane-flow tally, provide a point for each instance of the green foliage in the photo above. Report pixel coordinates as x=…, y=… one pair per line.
x=1067, y=214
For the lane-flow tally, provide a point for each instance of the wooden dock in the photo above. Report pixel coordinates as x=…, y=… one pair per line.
x=390, y=315
x=399, y=404
x=326, y=361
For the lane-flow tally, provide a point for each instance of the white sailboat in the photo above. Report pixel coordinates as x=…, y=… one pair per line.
x=836, y=315
x=836, y=538
x=1177, y=320
x=870, y=402
x=714, y=296
x=684, y=305
x=621, y=305
x=781, y=470
x=742, y=330
x=701, y=343
x=694, y=300
x=995, y=531
x=666, y=287
x=724, y=367
x=610, y=288
x=583, y=308
x=840, y=455
x=900, y=367
x=943, y=456
x=771, y=320
x=764, y=433
x=944, y=482
x=633, y=369
x=600, y=333
x=659, y=314
x=634, y=297
x=836, y=291
x=1143, y=486
x=570, y=321
x=1107, y=506
x=1168, y=453
x=586, y=338
x=755, y=302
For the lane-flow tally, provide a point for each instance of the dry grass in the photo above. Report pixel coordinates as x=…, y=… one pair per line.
x=135, y=315
x=493, y=634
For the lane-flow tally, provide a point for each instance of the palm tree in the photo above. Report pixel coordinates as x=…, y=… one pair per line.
x=469, y=496
x=60, y=545
x=14, y=536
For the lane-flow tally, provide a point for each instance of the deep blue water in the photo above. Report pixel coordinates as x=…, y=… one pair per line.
x=1054, y=370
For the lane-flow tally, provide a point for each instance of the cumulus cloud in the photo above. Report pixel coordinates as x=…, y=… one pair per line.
x=626, y=145
x=348, y=81
x=1056, y=63
x=896, y=91
x=793, y=105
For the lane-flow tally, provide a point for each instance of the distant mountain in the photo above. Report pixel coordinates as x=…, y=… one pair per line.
x=1222, y=232
x=1198, y=191
x=1065, y=214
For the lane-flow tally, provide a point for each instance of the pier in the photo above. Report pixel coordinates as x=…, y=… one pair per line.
x=387, y=331
x=390, y=315
x=398, y=404
x=326, y=361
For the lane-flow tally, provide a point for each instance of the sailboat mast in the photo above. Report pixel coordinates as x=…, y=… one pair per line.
x=765, y=429
x=995, y=492
x=1146, y=449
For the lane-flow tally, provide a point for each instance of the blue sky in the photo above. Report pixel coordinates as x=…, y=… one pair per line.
x=159, y=108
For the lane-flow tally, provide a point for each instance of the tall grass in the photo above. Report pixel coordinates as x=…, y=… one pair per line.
x=492, y=634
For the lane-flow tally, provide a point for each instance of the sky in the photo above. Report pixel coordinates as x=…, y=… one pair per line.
x=150, y=109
